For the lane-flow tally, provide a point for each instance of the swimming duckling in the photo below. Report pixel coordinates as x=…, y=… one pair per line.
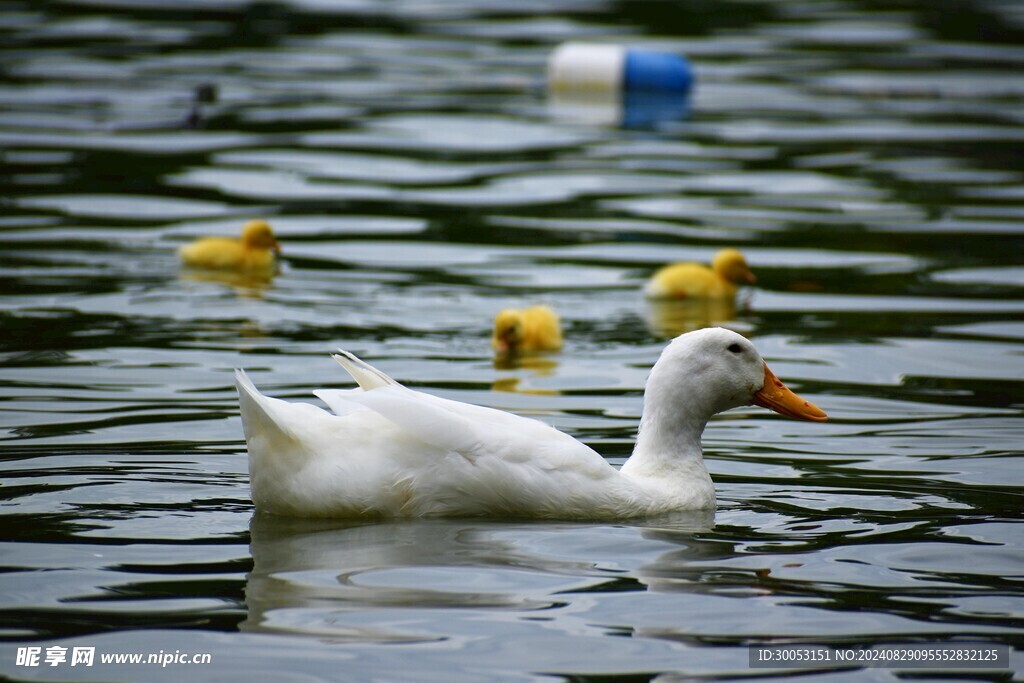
x=695, y=280
x=526, y=330
x=255, y=251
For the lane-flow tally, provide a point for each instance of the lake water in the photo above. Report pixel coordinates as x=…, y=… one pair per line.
x=867, y=157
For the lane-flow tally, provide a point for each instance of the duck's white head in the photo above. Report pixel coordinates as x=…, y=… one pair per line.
x=699, y=374
x=714, y=369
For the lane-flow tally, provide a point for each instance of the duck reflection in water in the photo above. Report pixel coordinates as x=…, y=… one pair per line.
x=245, y=284
x=332, y=578
x=535, y=365
x=668, y=318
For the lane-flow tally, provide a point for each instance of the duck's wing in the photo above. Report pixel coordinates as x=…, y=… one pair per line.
x=340, y=401
x=344, y=401
x=484, y=435
x=452, y=426
x=365, y=375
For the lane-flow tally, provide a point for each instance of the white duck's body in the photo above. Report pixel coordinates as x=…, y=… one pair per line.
x=390, y=451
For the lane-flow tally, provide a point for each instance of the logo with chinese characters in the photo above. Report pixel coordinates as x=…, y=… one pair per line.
x=55, y=655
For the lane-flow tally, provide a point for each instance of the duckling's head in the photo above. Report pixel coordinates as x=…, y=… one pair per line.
x=258, y=235
x=509, y=331
x=731, y=265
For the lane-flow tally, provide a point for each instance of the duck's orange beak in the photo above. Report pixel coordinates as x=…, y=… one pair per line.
x=775, y=395
x=749, y=277
x=276, y=247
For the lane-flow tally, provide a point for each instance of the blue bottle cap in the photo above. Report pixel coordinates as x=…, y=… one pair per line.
x=657, y=72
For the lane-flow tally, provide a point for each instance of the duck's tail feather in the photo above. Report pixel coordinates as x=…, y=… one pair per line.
x=365, y=375
x=258, y=411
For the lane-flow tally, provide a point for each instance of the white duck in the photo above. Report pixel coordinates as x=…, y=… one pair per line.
x=390, y=451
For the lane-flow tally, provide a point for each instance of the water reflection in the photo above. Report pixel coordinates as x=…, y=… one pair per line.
x=541, y=364
x=330, y=578
x=637, y=110
x=668, y=318
x=306, y=576
x=521, y=385
x=248, y=285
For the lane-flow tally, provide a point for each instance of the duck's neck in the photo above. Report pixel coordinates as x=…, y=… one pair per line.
x=668, y=441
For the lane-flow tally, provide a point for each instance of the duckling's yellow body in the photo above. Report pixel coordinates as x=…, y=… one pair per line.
x=527, y=330
x=254, y=252
x=697, y=281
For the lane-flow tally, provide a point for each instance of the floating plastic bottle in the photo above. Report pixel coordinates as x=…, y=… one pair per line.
x=613, y=84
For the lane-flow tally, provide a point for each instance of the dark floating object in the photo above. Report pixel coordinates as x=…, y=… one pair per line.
x=204, y=93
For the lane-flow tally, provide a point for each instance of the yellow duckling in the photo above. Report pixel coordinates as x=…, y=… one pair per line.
x=695, y=280
x=254, y=252
x=530, y=329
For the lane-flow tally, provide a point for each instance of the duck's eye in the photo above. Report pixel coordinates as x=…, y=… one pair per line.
x=735, y=348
